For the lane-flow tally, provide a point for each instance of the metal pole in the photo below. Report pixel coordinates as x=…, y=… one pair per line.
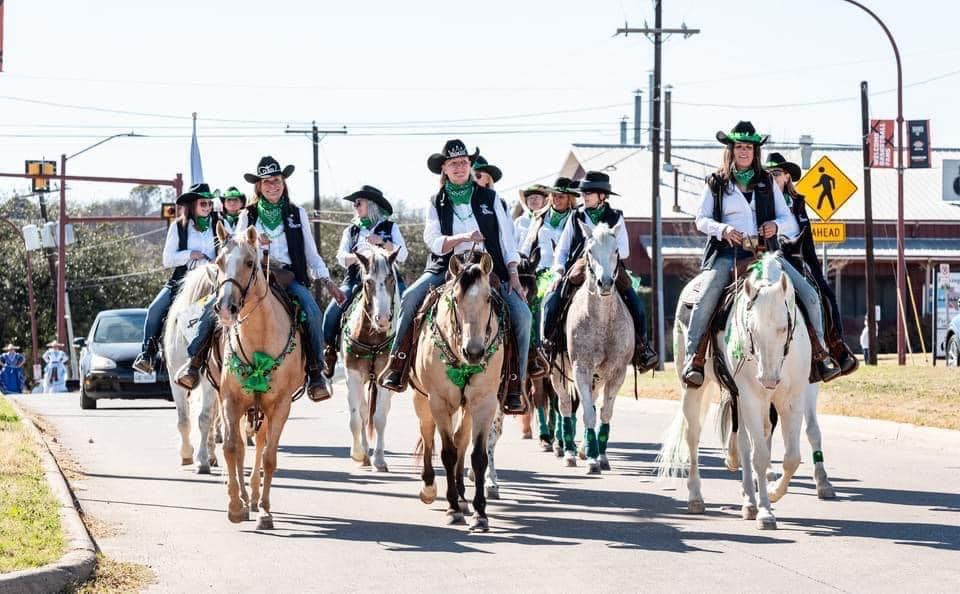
x=316, y=185
x=62, y=254
x=901, y=262
x=933, y=314
x=871, y=280
x=30, y=298
x=667, y=126
x=676, y=189
x=656, y=279
x=637, y=109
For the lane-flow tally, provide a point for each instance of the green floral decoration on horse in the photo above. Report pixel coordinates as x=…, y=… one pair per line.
x=255, y=377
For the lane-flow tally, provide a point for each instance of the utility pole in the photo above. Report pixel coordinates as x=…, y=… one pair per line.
x=868, y=230
x=656, y=272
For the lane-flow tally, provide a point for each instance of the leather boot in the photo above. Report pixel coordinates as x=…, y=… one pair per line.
x=144, y=363
x=317, y=387
x=841, y=352
x=644, y=357
x=513, y=403
x=693, y=373
x=329, y=360
x=395, y=374
x=188, y=376
x=823, y=366
x=536, y=364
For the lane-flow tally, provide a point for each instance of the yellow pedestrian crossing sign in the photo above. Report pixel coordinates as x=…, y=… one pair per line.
x=826, y=188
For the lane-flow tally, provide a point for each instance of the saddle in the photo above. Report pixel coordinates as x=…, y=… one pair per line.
x=573, y=280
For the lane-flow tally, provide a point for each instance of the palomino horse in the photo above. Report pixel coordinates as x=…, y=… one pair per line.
x=180, y=328
x=457, y=369
x=599, y=332
x=768, y=352
x=367, y=337
x=262, y=368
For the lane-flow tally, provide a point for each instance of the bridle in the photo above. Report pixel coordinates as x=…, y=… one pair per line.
x=745, y=329
x=244, y=290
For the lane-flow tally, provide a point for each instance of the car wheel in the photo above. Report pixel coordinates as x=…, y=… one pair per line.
x=86, y=403
x=953, y=351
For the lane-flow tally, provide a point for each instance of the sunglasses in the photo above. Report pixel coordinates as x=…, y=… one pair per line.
x=205, y=203
x=776, y=173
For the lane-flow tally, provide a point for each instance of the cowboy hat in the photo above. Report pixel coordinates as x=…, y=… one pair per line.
x=565, y=185
x=778, y=161
x=268, y=167
x=742, y=132
x=596, y=181
x=373, y=195
x=480, y=164
x=233, y=192
x=451, y=150
x=195, y=192
x=11, y=346
x=54, y=343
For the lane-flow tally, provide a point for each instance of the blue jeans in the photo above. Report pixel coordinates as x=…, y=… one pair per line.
x=809, y=296
x=153, y=324
x=333, y=314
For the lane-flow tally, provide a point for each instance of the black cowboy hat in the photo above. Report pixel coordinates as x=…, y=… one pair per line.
x=480, y=164
x=742, y=132
x=565, y=185
x=195, y=192
x=233, y=192
x=268, y=167
x=373, y=195
x=596, y=181
x=778, y=161
x=451, y=150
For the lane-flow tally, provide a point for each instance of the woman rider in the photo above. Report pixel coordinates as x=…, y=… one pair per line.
x=232, y=201
x=371, y=227
x=595, y=190
x=741, y=201
x=532, y=200
x=284, y=232
x=191, y=240
x=784, y=173
x=463, y=215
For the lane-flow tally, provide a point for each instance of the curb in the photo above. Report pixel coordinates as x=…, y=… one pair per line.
x=77, y=563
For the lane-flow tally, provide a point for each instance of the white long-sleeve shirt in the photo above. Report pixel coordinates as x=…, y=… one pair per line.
x=280, y=252
x=742, y=215
x=521, y=226
x=204, y=242
x=465, y=222
x=547, y=238
x=562, y=253
x=346, y=259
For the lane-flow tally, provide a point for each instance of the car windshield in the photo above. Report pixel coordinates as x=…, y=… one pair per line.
x=120, y=328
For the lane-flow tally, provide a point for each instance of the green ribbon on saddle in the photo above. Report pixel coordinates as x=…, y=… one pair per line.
x=755, y=270
x=255, y=377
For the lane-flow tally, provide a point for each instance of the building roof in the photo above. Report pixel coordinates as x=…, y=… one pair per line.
x=629, y=170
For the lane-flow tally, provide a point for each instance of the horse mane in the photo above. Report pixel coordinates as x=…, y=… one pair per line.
x=198, y=283
x=470, y=276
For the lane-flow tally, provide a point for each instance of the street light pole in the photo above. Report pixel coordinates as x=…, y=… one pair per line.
x=901, y=262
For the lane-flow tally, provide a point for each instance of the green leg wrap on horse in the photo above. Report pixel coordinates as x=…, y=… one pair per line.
x=545, y=432
x=603, y=437
x=568, y=433
x=817, y=456
x=593, y=449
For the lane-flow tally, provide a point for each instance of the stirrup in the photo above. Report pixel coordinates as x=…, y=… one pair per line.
x=693, y=375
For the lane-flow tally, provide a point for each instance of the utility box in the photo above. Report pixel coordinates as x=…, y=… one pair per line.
x=49, y=235
x=31, y=237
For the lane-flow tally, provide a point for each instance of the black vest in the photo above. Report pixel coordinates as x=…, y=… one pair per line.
x=762, y=189
x=293, y=231
x=610, y=216
x=384, y=229
x=181, y=271
x=484, y=212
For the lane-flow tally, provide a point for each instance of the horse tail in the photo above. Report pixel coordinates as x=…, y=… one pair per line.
x=674, y=454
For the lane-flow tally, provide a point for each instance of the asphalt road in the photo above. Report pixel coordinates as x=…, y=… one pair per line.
x=894, y=527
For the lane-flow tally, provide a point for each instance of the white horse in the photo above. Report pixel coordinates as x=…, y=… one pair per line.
x=599, y=333
x=180, y=328
x=768, y=353
x=367, y=337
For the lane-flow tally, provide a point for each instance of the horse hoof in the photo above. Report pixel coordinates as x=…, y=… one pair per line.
x=428, y=495
x=696, y=506
x=455, y=517
x=240, y=516
x=527, y=435
x=381, y=467
x=478, y=524
x=826, y=492
x=471, y=476
x=186, y=461
x=265, y=523
x=203, y=469
x=493, y=492
x=365, y=462
x=254, y=508
x=604, y=463
x=464, y=507
x=357, y=456
x=593, y=467
x=766, y=521
x=748, y=512
x=570, y=459
x=214, y=462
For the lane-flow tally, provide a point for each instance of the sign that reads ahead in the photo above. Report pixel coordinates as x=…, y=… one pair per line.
x=826, y=188
x=829, y=232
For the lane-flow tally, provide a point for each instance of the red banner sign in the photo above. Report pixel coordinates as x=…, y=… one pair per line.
x=880, y=147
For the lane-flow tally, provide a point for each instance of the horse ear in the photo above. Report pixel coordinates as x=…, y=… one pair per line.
x=748, y=288
x=393, y=256
x=365, y=261
x=535, y=257
x=783, y=283
x=222, y=234
x=251, y=234
x=455, y=266
x=486, y=264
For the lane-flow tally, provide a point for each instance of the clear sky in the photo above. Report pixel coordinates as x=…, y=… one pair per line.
x=404, y=76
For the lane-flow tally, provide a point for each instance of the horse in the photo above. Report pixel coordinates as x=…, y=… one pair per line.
x=261, y=371
x=767, y=349
x=457, y=373
x=599, y=334
x=179, y=329
x=367, y=337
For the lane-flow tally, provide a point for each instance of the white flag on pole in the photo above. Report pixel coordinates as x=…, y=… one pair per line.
x=196, y=168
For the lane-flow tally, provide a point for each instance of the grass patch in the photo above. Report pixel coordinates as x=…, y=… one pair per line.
x=918, y=394
x=111, y=576
x=30, y=531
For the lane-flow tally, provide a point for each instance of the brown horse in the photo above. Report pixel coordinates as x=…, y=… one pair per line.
x=263, y=366
x=458, y=369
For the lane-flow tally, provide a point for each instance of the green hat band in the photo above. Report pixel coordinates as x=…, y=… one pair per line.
x=232, y=194
x=745, y=137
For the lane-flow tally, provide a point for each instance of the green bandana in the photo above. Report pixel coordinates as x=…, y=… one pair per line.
x=365, y=222
x=743, y=177
x=201, y=223
x=557, y=219
x=270, y=215
x=459, y=194
x=231, y=218
x=596, y=213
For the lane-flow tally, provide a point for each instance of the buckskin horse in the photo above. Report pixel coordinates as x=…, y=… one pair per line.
x=458, y=370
